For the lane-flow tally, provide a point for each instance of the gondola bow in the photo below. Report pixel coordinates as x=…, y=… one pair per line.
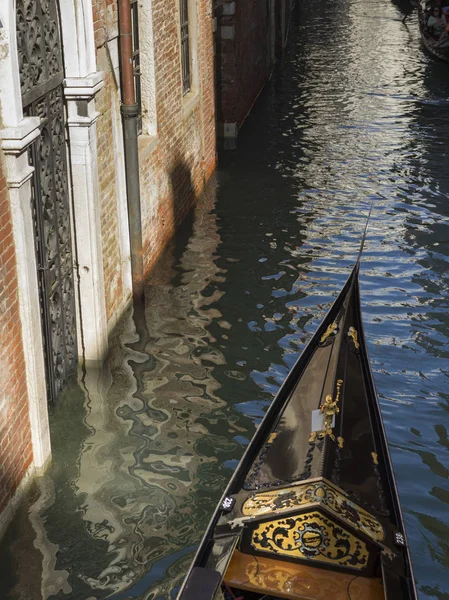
x=312, y=510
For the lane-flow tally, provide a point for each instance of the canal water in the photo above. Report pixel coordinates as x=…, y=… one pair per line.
x=143, y=447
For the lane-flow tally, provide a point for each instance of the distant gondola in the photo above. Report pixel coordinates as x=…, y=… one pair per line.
x=438, y=49
x=312, y=511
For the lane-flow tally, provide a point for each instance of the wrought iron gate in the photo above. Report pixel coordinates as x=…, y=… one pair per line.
x=41, y=77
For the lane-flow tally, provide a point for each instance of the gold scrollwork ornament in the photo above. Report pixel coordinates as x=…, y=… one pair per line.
x=332, y=329
x=329, y=408
x=311, y=536
x=321, y=492
x=352, y=333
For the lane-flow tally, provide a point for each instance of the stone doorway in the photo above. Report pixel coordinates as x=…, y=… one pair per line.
x=41, y=78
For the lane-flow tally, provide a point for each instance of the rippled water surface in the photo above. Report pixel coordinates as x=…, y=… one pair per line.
x=143, y=447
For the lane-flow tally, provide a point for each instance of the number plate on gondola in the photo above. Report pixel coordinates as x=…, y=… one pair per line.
x=227, y=503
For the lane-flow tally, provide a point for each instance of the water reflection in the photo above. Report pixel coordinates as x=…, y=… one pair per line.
x=151, y=449
x=145, y=446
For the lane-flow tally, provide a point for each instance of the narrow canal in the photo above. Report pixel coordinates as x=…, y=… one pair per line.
x=144, y=446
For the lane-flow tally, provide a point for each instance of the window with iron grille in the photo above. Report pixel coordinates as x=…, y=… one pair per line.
x=136, y=60
x=185, y=49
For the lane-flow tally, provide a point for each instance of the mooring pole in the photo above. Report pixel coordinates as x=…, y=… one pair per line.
x=130, y=111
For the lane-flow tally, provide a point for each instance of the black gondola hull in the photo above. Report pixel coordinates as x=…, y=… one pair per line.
x=315, y=487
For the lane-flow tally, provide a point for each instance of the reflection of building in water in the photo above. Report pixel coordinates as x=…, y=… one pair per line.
x=151, y=446
x=349, y=116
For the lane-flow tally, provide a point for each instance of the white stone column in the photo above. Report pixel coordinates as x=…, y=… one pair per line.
x=78, y=37
x=17, y=135
x=81, y=84
x=82, y=118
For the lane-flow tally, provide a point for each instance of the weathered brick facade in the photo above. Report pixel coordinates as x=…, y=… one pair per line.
x=15, y=436
x=176, y=162
x=244, y=59
x=249, y=35
x=107, y=187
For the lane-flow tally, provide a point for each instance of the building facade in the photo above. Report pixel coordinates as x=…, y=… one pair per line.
x=65, y=269
x=249, y=36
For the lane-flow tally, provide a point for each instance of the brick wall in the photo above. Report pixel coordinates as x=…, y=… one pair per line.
x=243, y=57
x=175, y=164
x=108, y=188
x=15, y=436
x=185, y=155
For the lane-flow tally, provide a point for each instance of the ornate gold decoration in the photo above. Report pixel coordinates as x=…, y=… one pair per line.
x=331, y=330
x=311, y=536
x=329, y=408
x=352, y=333
x=375, y=458
x=340, y=442
x=272, y=437
x=318, y=492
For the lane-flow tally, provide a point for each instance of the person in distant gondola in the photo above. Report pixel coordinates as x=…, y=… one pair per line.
x=436, y=23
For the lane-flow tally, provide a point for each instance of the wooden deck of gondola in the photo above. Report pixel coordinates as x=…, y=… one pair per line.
x=292, y=581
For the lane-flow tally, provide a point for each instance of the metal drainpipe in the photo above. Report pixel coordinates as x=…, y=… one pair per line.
x=130, y=112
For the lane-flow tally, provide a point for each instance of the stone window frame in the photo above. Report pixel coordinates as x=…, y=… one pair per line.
x=186, y=66
x=190, y=94
x=135, y=37
x=147, y=73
